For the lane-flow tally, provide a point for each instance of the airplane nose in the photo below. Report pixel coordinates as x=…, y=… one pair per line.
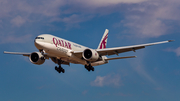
x=38, y=44
x=35, y=42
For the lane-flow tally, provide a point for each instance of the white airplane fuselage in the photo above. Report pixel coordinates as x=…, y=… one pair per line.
x=61, y=48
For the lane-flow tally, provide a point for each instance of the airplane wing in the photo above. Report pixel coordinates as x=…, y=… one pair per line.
x=18, y=53
x=117, y=50
x=24, y=54
x=54, y=59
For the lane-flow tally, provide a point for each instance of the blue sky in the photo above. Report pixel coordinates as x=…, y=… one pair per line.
x=153, y=75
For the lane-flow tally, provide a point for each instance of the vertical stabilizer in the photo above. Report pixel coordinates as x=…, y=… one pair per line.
x=103, y=41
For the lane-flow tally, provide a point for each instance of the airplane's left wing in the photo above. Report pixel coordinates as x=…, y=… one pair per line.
x=117, y=50
x=18, y=53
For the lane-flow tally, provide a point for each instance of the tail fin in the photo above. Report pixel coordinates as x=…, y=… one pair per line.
x=103, y=41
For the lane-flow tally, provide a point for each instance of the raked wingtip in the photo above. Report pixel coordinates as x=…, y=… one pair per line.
x=171, y=40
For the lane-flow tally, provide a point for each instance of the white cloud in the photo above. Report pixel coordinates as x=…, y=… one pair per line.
x=75, y=19
x=18, y=21
x=102, y=3
x=146, y=26
x=145, y=18
x=177, y=51
x=14, y=39
x=45, y=7
x=23, y=11
x=140, y=68
x=111, y=79
x=152, y=18
x=50, y=8
x=85, y=92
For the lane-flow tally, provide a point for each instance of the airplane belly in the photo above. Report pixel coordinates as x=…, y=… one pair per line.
x=62, y=53
x=70, y=60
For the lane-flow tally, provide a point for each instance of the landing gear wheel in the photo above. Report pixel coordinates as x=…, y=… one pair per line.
x=56, y=68
x=63, y=70
x=92, y=69
x=59, y=69
x=89, y=68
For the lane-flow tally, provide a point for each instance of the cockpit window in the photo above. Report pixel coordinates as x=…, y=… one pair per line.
x=39, y=38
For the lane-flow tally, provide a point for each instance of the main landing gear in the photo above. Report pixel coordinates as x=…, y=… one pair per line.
x=59, y=69
x=89, y=67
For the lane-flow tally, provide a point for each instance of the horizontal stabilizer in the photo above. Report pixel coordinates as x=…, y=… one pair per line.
x=120, y=58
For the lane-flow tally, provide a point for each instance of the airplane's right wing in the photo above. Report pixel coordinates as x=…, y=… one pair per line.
x=117, y=50
x=18, y=53
x=25, y=54
x=54, y=59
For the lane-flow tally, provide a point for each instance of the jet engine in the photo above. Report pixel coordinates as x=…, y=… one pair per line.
x=90, y=55
x=37, y=58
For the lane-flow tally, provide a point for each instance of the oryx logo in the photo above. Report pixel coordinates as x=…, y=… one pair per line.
x=104, y=42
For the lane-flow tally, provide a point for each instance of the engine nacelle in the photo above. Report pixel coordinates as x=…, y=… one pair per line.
x=90, y=55
x=37, y=58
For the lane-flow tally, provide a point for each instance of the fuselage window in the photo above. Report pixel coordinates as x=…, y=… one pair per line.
x=39, y=38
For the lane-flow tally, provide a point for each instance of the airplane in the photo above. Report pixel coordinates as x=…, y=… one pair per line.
x=62, y=51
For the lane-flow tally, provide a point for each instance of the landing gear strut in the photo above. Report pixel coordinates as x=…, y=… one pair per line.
x=89, y=67
x=59, y=69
